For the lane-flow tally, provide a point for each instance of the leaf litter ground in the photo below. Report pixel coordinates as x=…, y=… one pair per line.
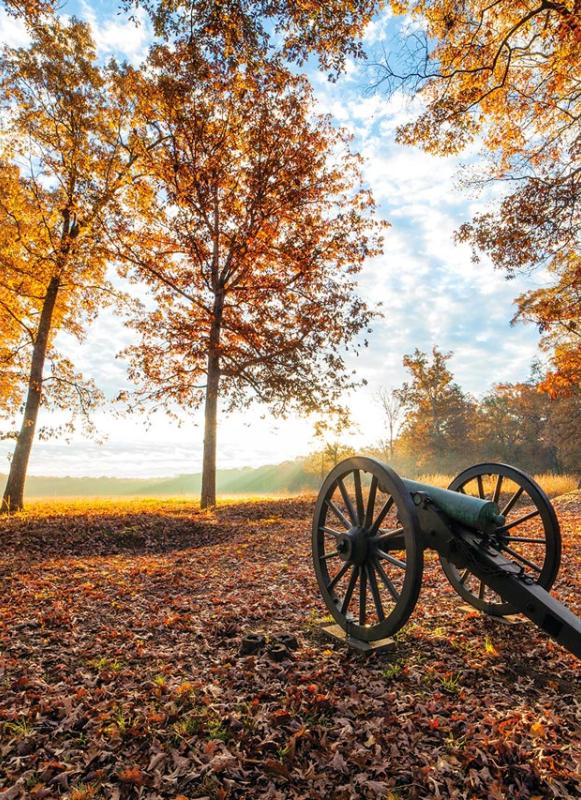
x=120, y=672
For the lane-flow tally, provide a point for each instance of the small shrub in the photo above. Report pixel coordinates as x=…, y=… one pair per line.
x=391, y=671
x=450, y=683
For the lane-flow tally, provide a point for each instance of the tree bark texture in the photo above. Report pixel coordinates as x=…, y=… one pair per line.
x=208, y=495
x=13, y=499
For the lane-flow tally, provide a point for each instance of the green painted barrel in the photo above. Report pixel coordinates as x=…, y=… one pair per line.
x=484, y=515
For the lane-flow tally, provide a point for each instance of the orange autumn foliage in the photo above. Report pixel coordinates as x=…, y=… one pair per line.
x=66, y=154
x=238, y=30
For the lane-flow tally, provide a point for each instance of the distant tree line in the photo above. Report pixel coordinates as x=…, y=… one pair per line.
x=432, y=425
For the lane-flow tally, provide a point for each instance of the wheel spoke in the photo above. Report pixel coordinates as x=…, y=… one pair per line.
x=386, y=535
x=362, y=596
x=339, y=514
x=382, y=515
x=524, y=560
x=496, y=493
x=528, y=537
x=386, y=580
x=371, y=503
x=358, y=496
x=350, y=588
x=518, y=521
x=375, y=592
x=329, y=555
x=338, y=576
x=395, y=561
x=347, y=501
x=526, y=540
x=331, y=531
x=464, y=575
x=512, y=502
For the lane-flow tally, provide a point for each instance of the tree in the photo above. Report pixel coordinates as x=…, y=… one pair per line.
x=66, y=154
x=29, y=9
x=436, y=421
x=521, y=425
x=556, y=312
x=253, y=228
x=562, y=434
x=236, y=30
x=12, y=325
x=391, y=406
x=507, y=73
x=511, y=426
x=328, y=429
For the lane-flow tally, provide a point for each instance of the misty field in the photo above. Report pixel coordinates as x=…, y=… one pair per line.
x=120, y=629
x=554, y=485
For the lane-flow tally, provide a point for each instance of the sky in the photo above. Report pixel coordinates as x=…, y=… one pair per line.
x=431, y=291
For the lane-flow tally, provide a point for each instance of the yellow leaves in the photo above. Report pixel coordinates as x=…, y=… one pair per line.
x=538, y=730
x=489, y=648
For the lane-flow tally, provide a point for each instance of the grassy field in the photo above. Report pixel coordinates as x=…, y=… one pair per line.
x=121, y=675
x=136, y=503
x=554, y=485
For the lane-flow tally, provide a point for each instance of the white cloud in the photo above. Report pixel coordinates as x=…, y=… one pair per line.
x=378, y=29
x=123, y=37
x=12, y=30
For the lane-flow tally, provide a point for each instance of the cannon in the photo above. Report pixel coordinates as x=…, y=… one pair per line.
x=494, y=529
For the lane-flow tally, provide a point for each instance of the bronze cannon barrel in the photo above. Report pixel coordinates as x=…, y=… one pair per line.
x=473, y=512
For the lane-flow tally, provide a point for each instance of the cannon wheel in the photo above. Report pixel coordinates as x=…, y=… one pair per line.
x=536, y=547
x=366, y=550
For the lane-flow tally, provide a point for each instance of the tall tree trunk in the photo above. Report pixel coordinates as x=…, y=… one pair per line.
x=208, y=495
x=13, y=499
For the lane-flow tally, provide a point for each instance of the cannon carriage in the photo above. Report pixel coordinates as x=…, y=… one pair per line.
x=494, y=529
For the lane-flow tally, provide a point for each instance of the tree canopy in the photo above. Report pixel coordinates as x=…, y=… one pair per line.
x=243, y=29
x=436, y=410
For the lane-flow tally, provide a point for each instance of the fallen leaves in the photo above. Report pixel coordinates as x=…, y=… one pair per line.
x=102, y=698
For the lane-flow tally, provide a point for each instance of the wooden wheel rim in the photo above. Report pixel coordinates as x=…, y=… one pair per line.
x=552, y=555
x=388, y=482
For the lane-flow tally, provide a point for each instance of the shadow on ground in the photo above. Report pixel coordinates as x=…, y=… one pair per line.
x=83, y=531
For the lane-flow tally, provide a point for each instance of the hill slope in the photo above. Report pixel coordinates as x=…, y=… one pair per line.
x=288, y=477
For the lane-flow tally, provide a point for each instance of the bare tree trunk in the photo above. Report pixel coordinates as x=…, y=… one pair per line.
x=208, y=495
x=13, y=499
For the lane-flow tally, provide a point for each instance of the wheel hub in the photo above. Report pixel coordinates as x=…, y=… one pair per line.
x=353, y=546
